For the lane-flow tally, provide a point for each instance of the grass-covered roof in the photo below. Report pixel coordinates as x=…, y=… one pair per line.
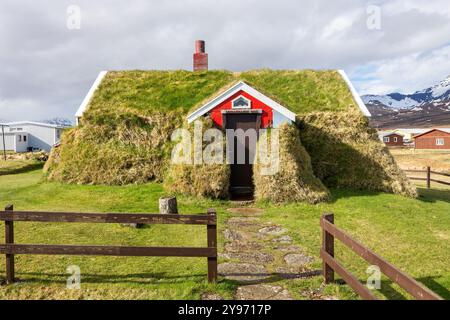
x=144, y=92
x=125, y=135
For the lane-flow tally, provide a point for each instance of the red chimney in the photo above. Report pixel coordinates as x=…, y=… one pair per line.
x=200, y=57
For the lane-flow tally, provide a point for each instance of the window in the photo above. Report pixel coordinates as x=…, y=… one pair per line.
x=395, y=139
x=19, y=138
x=24, y=138
x=439, y=141
x=386, y=139
x=241, y=103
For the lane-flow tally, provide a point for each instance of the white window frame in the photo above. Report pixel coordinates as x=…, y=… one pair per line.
x=440, y=141
x=249, y=102
x=386, y=139
x=395, y=139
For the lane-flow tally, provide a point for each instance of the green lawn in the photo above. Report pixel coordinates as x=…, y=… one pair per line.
x=103, y=277
x=18, y=166
x=412, y=234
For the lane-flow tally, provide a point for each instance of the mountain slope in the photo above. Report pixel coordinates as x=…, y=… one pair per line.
x=64, y=122
x=428, y=107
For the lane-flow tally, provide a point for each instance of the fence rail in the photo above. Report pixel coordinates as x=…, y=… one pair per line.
x=330, y=265
x=9, y=248
x=429, y=179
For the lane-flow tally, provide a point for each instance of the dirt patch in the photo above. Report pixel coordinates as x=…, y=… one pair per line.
x=250, y=257
x=262, y=292
x=273, y=230
x=442, y=235
x=246, y=211
x=317, y=295
x=421, y=159
x=211, y=296
x=243, y=272
x=297, y=273
x=291, y=249
x=297, y=259
x=242, y=246
x=231, y=235
x=243, y=222
x=283, y=239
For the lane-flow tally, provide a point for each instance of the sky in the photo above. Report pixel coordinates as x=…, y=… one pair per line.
x=52, y=50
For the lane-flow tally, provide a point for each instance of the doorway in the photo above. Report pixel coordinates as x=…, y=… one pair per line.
x=241, y=175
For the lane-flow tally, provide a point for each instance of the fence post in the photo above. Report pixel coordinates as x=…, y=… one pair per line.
x=4, y=145
x=212, y=243
x=428, y=177
x=328, y=247
x=9, y=239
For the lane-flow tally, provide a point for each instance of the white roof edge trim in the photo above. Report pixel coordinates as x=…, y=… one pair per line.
x=42, y=124
x=355, y=94
x=90, y=93
x=235, y=88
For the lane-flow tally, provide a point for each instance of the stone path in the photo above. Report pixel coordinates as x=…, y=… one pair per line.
x=259, y=254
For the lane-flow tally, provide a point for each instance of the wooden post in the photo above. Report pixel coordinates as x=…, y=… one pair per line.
x=168, y=205
x=9, y=239
x=428, y=177
x=212, y=243
x=328, y=247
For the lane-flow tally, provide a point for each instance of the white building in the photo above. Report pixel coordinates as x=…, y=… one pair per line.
x=29, y=136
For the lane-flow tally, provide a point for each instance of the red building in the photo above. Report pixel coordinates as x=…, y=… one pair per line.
x=393, y=140
x=243, y=101
x=243, y=107
x=433, y=139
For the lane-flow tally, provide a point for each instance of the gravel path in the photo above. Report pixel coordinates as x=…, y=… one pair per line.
x=258, y=253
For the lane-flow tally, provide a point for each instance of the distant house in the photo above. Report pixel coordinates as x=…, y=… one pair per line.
x=433, y=139
x=393, y=140
x=407, y=133
x=29, y=136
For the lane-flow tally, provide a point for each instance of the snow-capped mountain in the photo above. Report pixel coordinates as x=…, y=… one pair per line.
x=64, y=122
x=428, y=107
x=437, y=95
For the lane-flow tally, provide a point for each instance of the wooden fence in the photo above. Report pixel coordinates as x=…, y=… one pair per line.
x=10, y=248
x=331, y=265
x=429, y=179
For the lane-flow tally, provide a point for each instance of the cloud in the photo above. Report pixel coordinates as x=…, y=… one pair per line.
x=47, y=69
x=11, y=108
x=406, y=74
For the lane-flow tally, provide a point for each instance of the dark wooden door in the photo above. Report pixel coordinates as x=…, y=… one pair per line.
x=241, y=178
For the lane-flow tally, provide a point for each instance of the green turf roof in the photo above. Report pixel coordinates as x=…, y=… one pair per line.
x=144, y=92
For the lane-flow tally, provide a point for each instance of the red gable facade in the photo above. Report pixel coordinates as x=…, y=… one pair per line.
x=243, y=99
x=248, y=104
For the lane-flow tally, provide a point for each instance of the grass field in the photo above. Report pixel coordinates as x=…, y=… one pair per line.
x=420, y=159
x=437, y=160
x=413, y=234
x=18, y=166
x=103, y=277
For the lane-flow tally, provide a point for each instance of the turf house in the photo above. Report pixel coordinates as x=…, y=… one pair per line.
x=125, y=123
